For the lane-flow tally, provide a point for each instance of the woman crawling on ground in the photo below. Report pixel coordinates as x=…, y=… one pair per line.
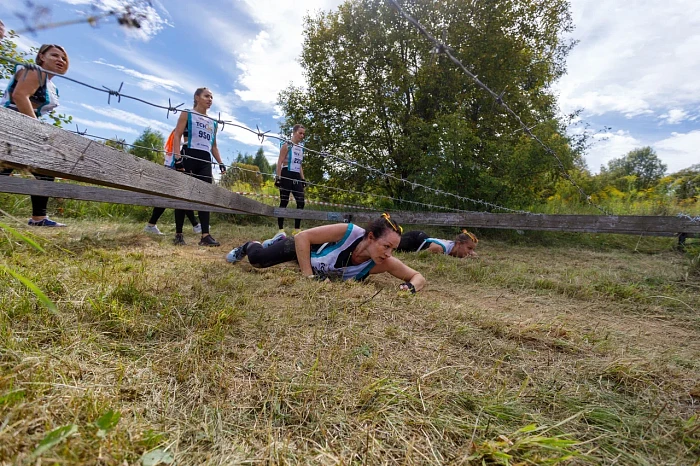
x=462, y=246
x=341, y=251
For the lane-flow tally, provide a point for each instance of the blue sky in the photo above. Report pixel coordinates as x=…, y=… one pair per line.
x=635, y=69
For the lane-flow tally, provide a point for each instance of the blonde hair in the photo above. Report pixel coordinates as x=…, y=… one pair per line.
x=466, y=236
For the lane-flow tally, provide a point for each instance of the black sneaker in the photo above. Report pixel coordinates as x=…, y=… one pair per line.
x=209, y=241
x=179, y=239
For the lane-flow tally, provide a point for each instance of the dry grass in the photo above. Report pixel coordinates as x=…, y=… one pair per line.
x=530, y=355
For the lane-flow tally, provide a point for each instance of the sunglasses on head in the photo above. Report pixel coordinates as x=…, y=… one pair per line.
x=397, y=228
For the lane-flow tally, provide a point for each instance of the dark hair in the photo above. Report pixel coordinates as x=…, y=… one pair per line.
x=45, y=48
x=296, y=127
x=199, y=92
x=466, y=236
x=380, y=226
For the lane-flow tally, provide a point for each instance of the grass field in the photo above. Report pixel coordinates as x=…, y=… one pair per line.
x=534, y=353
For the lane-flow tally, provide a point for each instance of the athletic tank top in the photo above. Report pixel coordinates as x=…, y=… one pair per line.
x=295, y=154
x=446, y=246
x=201, y=131
x=324, y=261
x=45, y=98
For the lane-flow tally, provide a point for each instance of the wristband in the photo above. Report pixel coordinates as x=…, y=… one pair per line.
x=410, y=287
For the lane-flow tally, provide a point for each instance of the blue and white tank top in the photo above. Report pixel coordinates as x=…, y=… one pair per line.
x=324, y=261
x=295, y=155
x=201, y=131
x=44, y=99
x=446, y=245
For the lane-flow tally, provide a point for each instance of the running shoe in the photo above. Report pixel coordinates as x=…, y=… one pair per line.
x=209, y=241
x=152, y=229
x=197, y=228
x=236, y=254
x=179, y=239
x=46, y=222
x=281, y=236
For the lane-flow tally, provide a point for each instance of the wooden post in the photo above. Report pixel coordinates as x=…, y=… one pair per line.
x=16, y=185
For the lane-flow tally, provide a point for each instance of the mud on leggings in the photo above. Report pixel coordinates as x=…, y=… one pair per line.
x=158, y=211
x=282, y=251
x=201, y=170
x=39, y=203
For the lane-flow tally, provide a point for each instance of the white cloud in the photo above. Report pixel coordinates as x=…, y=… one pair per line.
x=608, y=146
x=91, y=124
x=633, y=57
x=146, y=82
x=145, y=21
x=130, y=118
x=680, y=150
x=674, y=116
x=266, y=60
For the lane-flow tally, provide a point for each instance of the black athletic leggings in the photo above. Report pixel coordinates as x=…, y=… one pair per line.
x=282, y=251
x=200, y=168
x=291, y=183
x=158, y=211
x=411, y=241
x=39, y=203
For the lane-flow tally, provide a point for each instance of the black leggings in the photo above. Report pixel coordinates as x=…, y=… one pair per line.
x=201, y=170
x=39, y=203
x=291, y=183
x=411, y=241
x=282, y=251
x=158, y=211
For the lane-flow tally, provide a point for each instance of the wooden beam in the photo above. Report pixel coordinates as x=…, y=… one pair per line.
x=16, y=185
x=620, y=224
x=28, y=143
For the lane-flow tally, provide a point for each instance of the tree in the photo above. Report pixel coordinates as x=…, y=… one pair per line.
x=378, y=95
x=261, y=161
x=116, y=143
x=639, y=169
x=150, y=144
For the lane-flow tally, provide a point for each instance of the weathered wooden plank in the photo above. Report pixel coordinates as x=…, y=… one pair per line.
x=632, y=225
x=16, y=185
x=27, y=143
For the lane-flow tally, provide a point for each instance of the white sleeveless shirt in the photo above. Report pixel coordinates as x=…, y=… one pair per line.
x=45, y=97
x=323, y=261
x=446, y=245
x=295, y=155
x=201, y=131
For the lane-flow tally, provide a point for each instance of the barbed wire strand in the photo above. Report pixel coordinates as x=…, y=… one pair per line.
x=322, y=186
x=263, y=134
x=443, y=48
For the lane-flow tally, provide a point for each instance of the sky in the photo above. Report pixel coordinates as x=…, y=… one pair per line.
x=634, y=69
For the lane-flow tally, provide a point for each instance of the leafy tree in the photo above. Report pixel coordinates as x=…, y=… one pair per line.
x=639, y=169
x=117, y=143
x=261, y=161
x=8, y=48
x=149, y=139
x=378, y=95
x=243, y=173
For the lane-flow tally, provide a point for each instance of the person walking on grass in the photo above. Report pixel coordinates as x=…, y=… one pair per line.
x=341, y=251
x=290, y=176
x=31, y=91
x=462, y=246
x=169, y=161
x=195, y=159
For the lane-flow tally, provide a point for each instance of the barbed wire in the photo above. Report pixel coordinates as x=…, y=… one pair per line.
x=322, y=186
x=261, y=135
x=441, y=47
